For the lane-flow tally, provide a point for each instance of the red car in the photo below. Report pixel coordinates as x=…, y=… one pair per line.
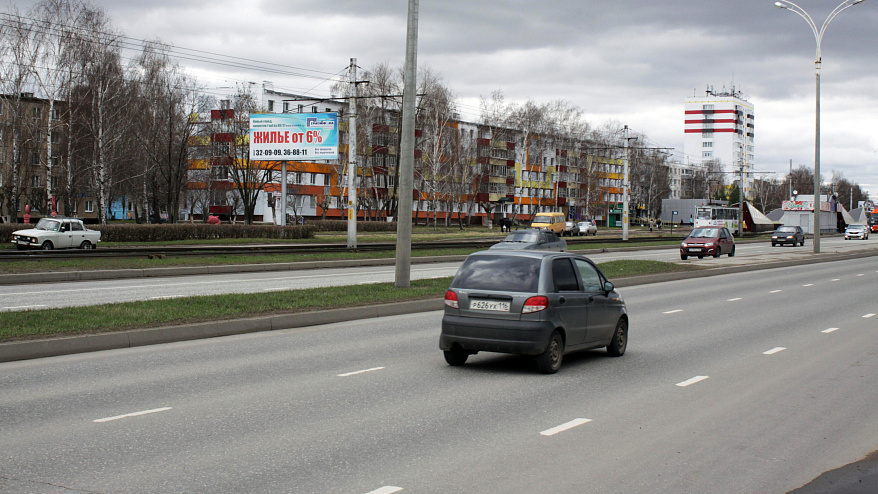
x=708, y=241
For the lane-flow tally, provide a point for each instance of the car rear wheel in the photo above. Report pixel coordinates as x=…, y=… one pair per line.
x=456, y=356
x=86, y=245
x=619, y=343
x=549, y=361
x=47, y=245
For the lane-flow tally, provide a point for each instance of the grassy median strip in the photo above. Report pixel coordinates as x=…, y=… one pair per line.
x=70, y=321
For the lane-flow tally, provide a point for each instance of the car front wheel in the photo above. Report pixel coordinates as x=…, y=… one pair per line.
x=47, y=245
x=732, y=253
x=549, y=361
x=619, y=343
x=684, y=257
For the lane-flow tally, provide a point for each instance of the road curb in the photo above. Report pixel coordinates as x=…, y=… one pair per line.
x=51, y=347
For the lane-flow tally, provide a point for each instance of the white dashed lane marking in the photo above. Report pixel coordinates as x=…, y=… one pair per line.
x=774, y=350
x=673, y=311
x=689, y=382
x=565, y=426
x=134, y=414
x=829, y=330
x=360, y=372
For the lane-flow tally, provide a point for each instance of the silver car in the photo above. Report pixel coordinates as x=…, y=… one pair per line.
x=538, y=303
x=531, y=240
x=856, y=231
x=587, y=227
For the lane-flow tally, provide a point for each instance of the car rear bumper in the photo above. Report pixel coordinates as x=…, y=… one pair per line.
x=494, y=335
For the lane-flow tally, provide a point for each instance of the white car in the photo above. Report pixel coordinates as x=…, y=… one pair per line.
x=856, y=231
x=587, y=227
x=56, y=233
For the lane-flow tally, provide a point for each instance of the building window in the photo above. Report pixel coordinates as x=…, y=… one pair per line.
x=286, y=106
x=37, y=112
x=707, y=154
x=707, y=107
x=89, y=206
x=707, y=144
x=225, y=104
x=301, y=108
x=313, y=109
x=35, y=181
x=271, y=105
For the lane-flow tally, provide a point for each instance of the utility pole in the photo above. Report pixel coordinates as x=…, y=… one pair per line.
x=407, y=153
x=352, y=161
x=625, y=191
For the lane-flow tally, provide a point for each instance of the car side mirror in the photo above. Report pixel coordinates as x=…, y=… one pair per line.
x=609, y=287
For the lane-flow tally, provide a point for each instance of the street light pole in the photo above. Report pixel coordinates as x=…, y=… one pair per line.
x=818, y=36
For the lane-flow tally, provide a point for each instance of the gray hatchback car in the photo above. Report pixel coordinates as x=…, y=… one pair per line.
x=539, y=303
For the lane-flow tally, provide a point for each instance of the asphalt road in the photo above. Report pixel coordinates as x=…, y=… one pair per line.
x=91, y=292
x=750, y=382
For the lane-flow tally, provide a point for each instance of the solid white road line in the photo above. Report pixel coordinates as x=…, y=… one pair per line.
x=564, y=427
x=829, y=330
x=20, y=307
x=135, y=414
x=387, y=489
x=360, y=372
x=867, y=316
x=692, y=381
x=167, y=297
x=673, y=311
x=774, y=350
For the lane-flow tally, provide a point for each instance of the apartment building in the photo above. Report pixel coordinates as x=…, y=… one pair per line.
x=482, y=172
x=719, y=128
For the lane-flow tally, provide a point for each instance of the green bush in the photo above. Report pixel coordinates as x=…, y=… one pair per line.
x=131, y=232
x=198, y=231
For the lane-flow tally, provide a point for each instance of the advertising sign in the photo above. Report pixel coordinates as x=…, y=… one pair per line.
x=293, y=136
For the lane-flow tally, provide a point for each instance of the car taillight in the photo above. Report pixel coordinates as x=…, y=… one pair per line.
x=535, y=304
x=451, y=299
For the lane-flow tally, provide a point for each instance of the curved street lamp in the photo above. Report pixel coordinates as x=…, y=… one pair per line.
x=818, y=36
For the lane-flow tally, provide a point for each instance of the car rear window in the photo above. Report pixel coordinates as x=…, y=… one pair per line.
x=499, y=273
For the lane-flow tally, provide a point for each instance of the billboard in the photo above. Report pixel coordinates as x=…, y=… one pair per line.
x=293, y=136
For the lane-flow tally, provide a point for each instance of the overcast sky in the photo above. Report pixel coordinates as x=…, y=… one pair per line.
x=628, y=61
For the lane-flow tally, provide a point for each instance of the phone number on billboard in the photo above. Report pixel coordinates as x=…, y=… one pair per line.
x=280, y=152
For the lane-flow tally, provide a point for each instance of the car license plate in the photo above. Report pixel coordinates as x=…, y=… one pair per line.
x=489, y=305
x=695, y=249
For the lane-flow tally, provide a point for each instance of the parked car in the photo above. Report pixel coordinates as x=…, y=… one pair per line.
x=56, y=233
x=588, y=227
x=532, y=239
x=708, y=241
x=788, y=235
x=550, y=221
x=571, y=228
x=856, y=231
x=538, y=303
